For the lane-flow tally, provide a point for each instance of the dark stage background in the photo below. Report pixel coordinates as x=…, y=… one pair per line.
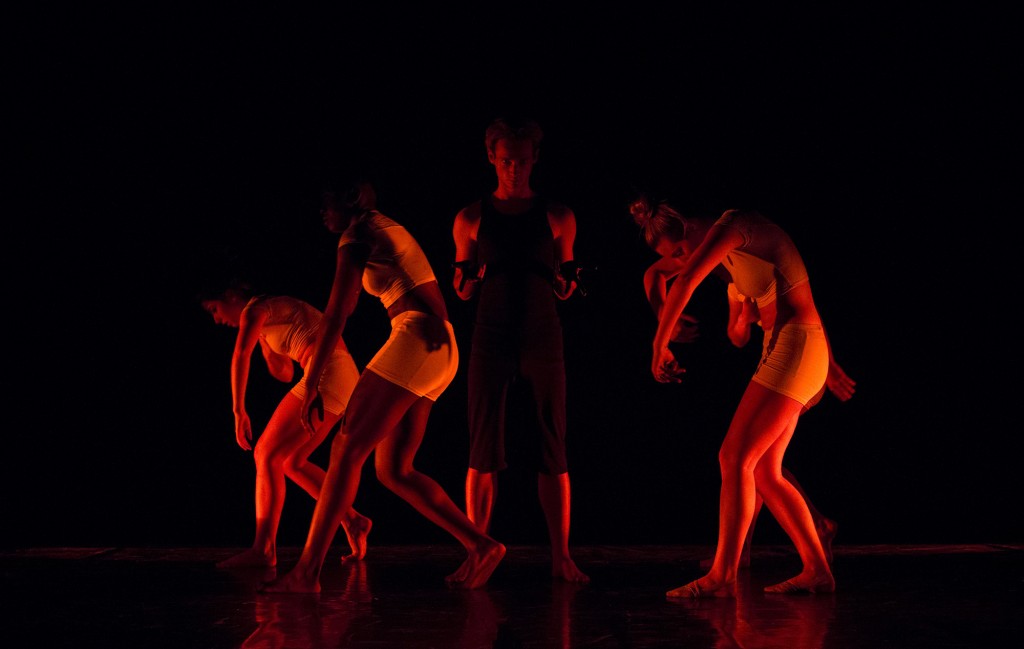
x=156, y=152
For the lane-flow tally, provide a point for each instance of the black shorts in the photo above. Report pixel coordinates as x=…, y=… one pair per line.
x=533, y=356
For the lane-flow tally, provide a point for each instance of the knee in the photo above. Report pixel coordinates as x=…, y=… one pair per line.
x=266, y=456
x=391, y=476
x=767, y=477
x=732, y=461
x=293, y=465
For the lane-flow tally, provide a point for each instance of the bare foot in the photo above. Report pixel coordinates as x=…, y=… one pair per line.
x=251, y=558
x=478, y=566
x=356, y=531
x=460, y=573
x=701, y=588
x=293, y=582
x=804, y=583
x=566, y=569
x=827, y=529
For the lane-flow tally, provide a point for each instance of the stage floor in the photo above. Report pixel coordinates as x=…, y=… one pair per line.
x=933, y=596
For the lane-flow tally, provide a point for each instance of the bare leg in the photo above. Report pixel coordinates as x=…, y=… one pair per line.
x=790, y=508
x=281, y=441
x=555, y=499
x=376, y=411
x=394, y=463
x=481, y=492
x=761, y=418
x=705, y=564
x=283, y=451
x=826, y=527
x=371, y=416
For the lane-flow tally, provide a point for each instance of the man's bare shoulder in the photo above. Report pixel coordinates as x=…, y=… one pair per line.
x=559, y=212
x=469, y=213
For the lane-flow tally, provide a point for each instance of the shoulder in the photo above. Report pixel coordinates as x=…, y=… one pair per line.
x=362, y=231
x=559, y=213
x=256, y=309
x=467, y=221
x=470, y=213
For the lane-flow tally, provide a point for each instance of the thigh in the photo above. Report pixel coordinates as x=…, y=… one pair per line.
x=762, y=418
x=285, y=435
x=374, y=411
x=397, y=450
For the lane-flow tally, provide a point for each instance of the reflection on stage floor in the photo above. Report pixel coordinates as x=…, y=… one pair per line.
x=887, y=596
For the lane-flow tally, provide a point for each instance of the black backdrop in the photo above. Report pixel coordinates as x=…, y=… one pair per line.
x=159, y=151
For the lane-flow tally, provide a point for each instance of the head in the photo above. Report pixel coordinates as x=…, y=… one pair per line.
x=662, y=227
x=225, y=304
x=346, y=202
x=513, y=147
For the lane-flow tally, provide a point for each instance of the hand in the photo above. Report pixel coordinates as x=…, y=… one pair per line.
x=562, y=287
x=469, y=271
x=312, y=405
x=685, y=330
x=243, y=431
x=838, y=383
x=665, y=367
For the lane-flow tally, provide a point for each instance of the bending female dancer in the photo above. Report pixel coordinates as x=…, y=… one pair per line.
x=764, y=264
x=742, y=314
x=285, y=328
x=391, y=403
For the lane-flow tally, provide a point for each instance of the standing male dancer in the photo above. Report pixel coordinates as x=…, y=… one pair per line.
x=514, y=253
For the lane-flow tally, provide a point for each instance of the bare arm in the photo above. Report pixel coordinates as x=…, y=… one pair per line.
x=281, y=367
x=563, y=228
x=742, y=313
x=656, y=281
x=837, y=381
x=249, y=326
x=345, y=290
x=717, y=243
x=467, y=274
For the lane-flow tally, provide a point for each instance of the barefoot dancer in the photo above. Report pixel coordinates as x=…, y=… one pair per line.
x=765, y=265
x=391, y=403
x=511, y=248
x=742, y=314
x=285, y=328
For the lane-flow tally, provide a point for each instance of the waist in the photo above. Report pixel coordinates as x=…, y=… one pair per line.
x=796, y=306
x=425, y=298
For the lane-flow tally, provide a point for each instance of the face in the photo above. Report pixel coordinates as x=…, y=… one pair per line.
x=333, y=214
x=513, y=161
x=224, y=311
x=666, y=246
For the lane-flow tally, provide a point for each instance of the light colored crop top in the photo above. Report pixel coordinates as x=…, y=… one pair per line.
x=767, y=264
x=735, y=296
x=396, y=264
x=291, y=326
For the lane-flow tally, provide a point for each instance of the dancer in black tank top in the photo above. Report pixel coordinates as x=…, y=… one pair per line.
x=509, y=248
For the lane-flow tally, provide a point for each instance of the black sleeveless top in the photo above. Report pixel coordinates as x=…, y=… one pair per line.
x=519, y=251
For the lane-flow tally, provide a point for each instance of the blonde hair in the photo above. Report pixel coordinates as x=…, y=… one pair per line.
x=657, y=220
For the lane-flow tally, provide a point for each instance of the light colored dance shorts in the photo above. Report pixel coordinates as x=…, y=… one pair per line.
x=794, y=361
x=420, y=355
x=336, y=383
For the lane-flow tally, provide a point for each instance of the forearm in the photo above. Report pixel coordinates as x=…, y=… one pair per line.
x=675, y=301
x=327, y=341
x=280, y=366
x=239, y=381
x=465, y=280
